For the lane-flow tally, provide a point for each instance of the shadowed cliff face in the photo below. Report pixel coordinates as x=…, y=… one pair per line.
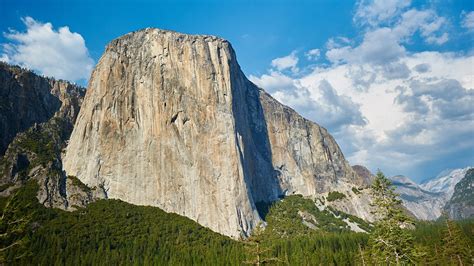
x=26, y=99
x=37, y=115
x=170, y=120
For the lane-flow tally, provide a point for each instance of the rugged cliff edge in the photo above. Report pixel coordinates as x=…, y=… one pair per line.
x=170, y=120
x=37, y=115
x=26, y=99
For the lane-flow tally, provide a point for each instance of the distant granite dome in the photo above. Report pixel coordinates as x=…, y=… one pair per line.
x=364, y=173
x=170, y=120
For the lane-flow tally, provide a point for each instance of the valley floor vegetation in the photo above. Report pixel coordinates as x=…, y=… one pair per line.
x=112, y=232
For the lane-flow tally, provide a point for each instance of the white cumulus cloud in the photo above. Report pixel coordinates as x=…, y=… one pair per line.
x=388, y=107
x=58, y=53
x=374, y=12
x=287, y=62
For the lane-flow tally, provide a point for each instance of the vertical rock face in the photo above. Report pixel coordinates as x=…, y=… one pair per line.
x=170, y=120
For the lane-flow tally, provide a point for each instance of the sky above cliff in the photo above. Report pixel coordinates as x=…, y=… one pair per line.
x=393, y=81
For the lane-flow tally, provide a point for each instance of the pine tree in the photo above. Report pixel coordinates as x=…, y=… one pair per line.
x=256, y=250
x=456, y=249
x=391, y=242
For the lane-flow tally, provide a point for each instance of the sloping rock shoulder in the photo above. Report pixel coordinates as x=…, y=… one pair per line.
x=170, y=120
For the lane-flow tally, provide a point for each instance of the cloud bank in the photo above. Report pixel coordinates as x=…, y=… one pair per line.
x=404, y=112
x=58, y=53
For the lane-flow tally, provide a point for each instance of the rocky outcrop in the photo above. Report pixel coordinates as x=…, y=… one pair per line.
x=26, y=99
x=364, y=173
x=40, y=113
x=170, y=120
x=461, y=204
x=445, y=182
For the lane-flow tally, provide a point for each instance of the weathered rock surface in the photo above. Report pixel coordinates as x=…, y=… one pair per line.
x=170, y=120
x=39, y=113
x=364, y=173
x=26, y=99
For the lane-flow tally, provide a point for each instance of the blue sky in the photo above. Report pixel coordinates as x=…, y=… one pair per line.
x=391, y=80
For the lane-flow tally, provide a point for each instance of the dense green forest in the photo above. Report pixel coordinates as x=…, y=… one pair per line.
x=113, y=232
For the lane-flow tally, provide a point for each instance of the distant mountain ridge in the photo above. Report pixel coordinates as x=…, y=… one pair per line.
x=428, y=200
x=445, y=181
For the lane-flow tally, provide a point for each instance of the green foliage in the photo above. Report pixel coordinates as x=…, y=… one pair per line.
x=285, y=218
x=355, y=190
x=441, y=247
x=257, y=254
x=78, y=183
x=335, y=195
x=108, y=232
x=20, y=213
x=359, y=221
x=111, y=232
x=456, y=248
x=39, y=143
x=391, y=241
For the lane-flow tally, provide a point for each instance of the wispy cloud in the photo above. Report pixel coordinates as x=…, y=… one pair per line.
x=467, y=20
x=313, y=54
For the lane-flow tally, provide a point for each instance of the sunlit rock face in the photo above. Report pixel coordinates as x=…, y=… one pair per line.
x=170, y=120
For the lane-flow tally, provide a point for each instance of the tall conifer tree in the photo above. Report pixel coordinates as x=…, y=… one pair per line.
x=391, y=242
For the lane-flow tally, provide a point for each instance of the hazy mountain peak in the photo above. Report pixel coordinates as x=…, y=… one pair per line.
x=445, y=181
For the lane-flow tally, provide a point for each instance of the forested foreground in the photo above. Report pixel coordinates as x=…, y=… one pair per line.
x=111, y=232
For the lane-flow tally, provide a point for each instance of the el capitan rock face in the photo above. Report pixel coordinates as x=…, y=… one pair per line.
x=170, y=120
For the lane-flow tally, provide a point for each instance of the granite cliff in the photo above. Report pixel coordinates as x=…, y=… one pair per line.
x=170, y=120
